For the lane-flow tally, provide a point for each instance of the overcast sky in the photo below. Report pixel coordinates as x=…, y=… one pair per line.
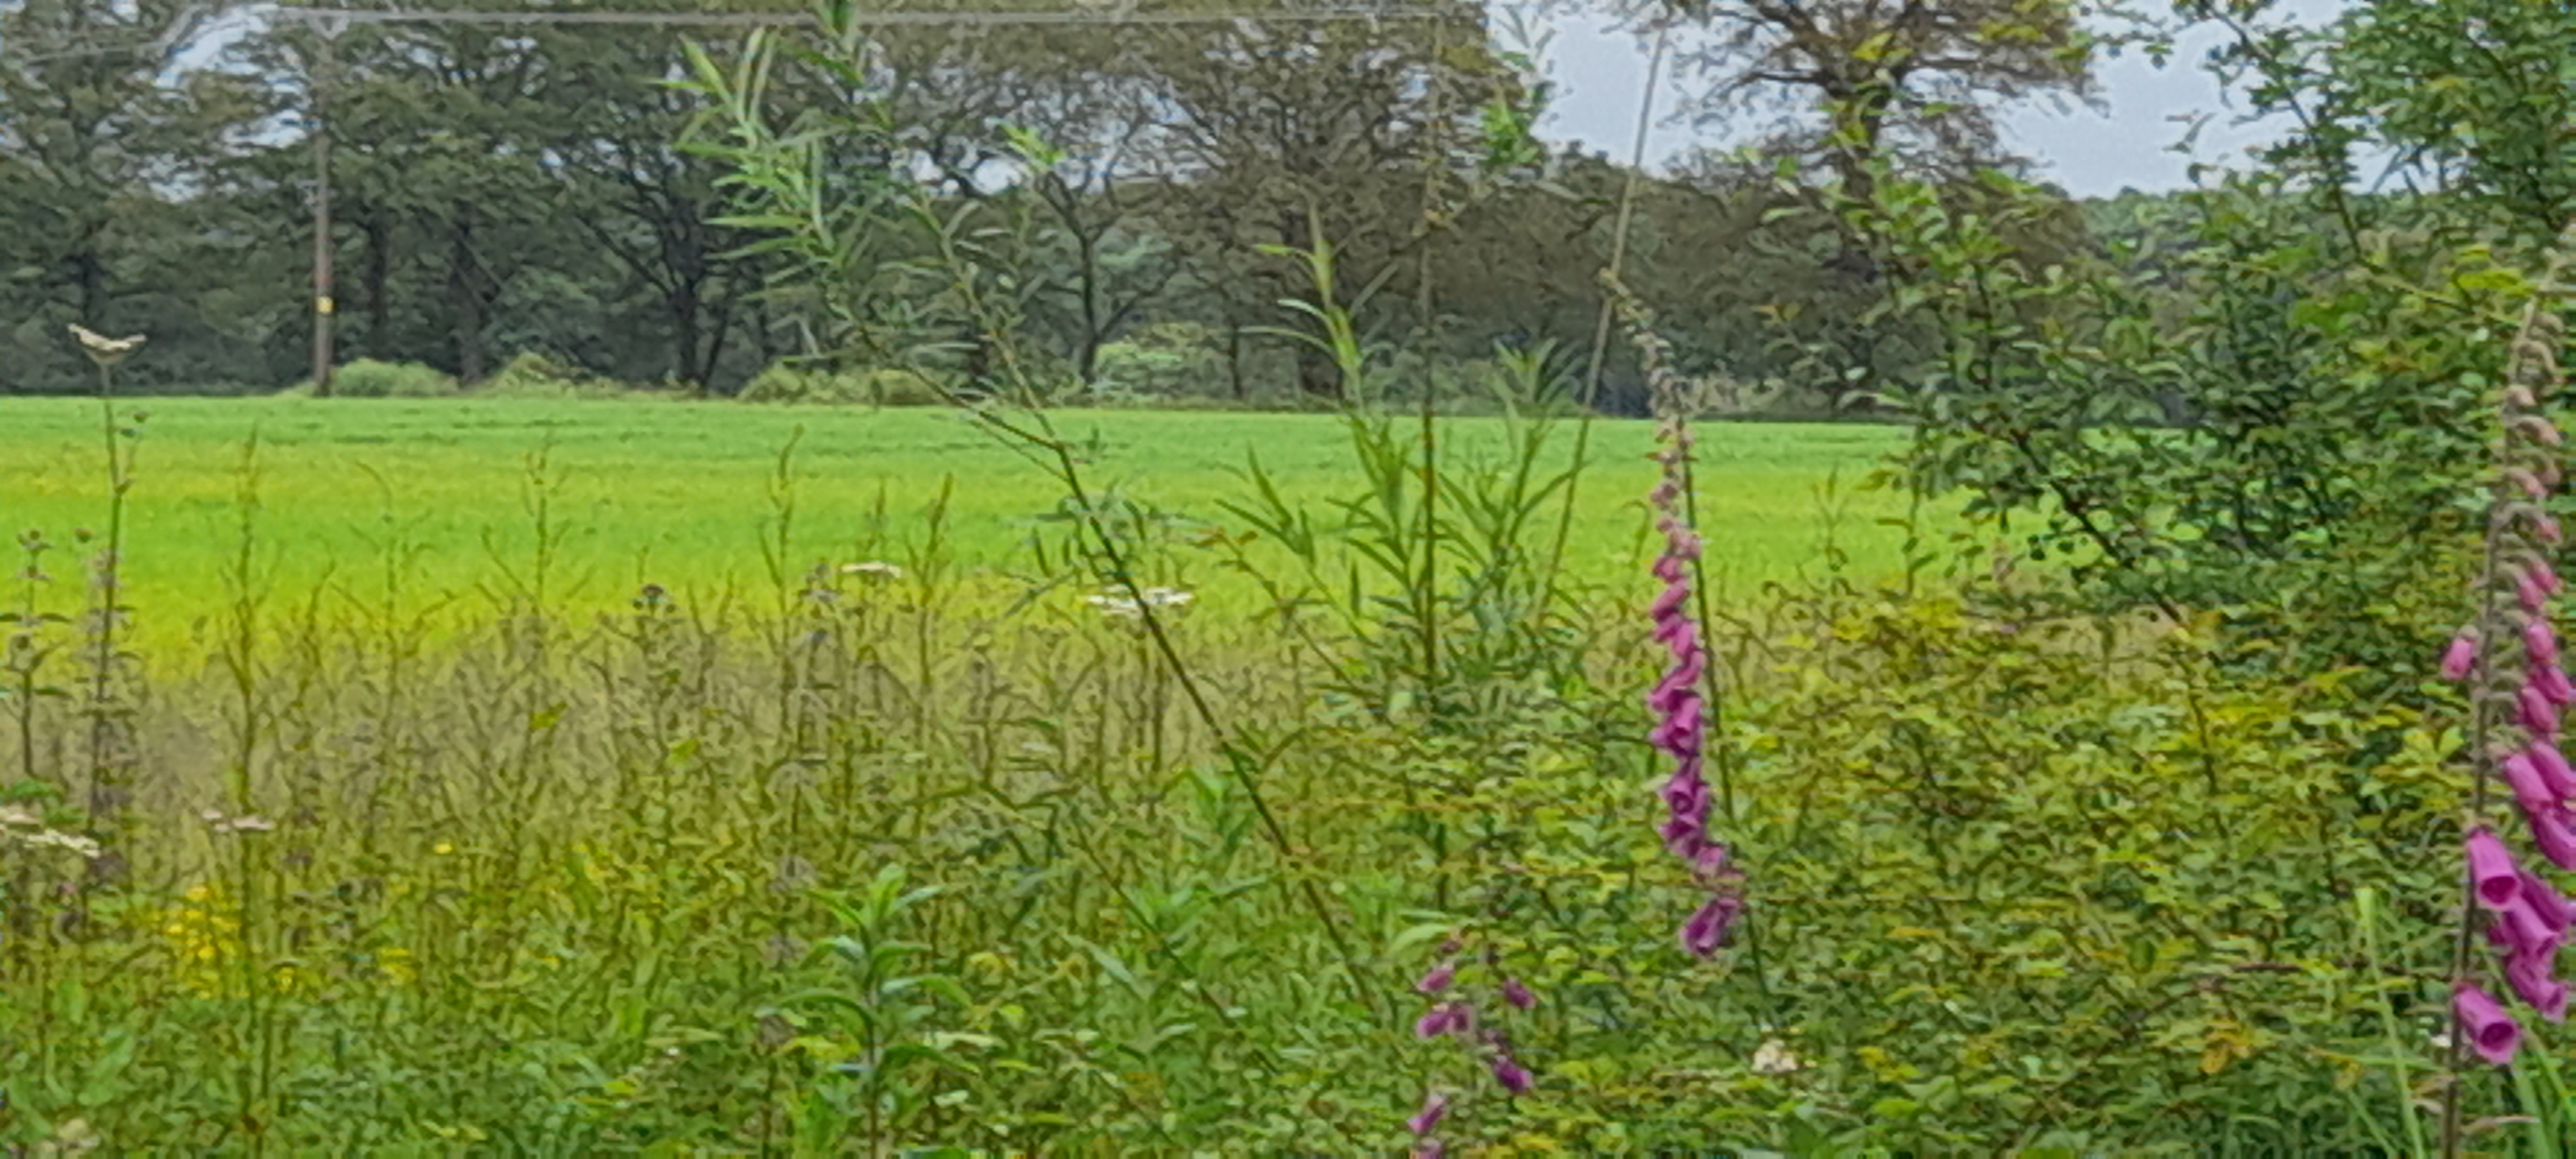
x=2090, y=152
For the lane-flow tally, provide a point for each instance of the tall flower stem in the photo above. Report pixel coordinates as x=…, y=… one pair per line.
x=107, y=788
x=1598, y=361
x=2481, y=728
x=2510, y=655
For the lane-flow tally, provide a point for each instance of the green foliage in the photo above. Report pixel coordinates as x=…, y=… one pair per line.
x=879, y=859
x=2476, y=91
x=2041, y=883
x=367, y=378
x=1167, y=359
x=877, y=386
x=533, y=375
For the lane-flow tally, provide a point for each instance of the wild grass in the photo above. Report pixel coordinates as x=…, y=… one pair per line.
x=469, y=841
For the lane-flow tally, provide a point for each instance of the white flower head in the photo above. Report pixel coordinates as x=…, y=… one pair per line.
x=875, y=569
x=1774, y=1057
x=1115, y=606
x=1118, y=605
x=222, y=825
x=54, y=839
x=104, y=350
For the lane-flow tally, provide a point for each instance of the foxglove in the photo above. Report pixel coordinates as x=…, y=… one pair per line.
x=2517, y=689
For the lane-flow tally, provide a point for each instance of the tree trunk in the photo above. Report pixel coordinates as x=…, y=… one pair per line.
x=719, y=329
x=1234, y=361
x=93, y=286
x=466, y=295
x=1086, y=358
x=685, y=331
x=375, y=276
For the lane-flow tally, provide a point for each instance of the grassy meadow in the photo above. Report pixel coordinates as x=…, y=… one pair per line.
x=681, y=494
x=346, y=835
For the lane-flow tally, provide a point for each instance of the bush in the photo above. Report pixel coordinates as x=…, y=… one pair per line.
x=1164, y=360
x=368, y=378
x=872, y=386
x=535, y=375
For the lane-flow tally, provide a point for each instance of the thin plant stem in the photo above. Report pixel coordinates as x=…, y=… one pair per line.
x=105, y=802
x=1598, y=362
x=1037, y=437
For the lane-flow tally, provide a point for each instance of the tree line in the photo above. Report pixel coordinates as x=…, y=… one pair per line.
x=504, y=189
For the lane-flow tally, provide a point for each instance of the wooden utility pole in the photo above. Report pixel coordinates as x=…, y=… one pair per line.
x=324, y=308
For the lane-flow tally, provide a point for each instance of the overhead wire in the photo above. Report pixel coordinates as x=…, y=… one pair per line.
x=1104, y=14
x=1101, y=15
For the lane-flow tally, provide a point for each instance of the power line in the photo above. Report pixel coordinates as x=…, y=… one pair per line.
x=333, y=18
x=1102, y=16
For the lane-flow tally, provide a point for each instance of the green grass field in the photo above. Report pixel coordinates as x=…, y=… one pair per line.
x=679, y=493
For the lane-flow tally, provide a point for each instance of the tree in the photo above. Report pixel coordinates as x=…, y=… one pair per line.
x=1863, y=80
x=1298, y=134
x=2467, y=96
x=617, y=145
x=100, y=128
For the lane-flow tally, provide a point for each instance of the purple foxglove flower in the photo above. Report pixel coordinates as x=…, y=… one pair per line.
x=2540, y=641
x=1518, y=995
x=1428, y=1120
x=1709, y=867
x=2461, y=657
x=2529, y=482
x=2539, y=429
x=2529, y=976
x=1679, y=732
x=2544, y=898
x=1685, y=793
x=2553, y=768
x=2551, y=680
x=1679, y=635
x=1438, y=979
x=2539, y=570
x=1671, y=569
x=2534, y=712
x=1706, y=930
x=1682, y=680
x=1510, y=1074
x=2529, y=787
x=2527, y=589
x=2544, y=527
x=1668, y=602
x=1684, y=836
x=2491, y=869
x=1446, y=1018
x=2549, y=831
x=2491, y=1031
x=2527, y=931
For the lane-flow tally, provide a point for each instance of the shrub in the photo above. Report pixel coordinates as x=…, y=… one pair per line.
x=871, y=386
x=368, y=378
x=536, y=375
x=1163, y=360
